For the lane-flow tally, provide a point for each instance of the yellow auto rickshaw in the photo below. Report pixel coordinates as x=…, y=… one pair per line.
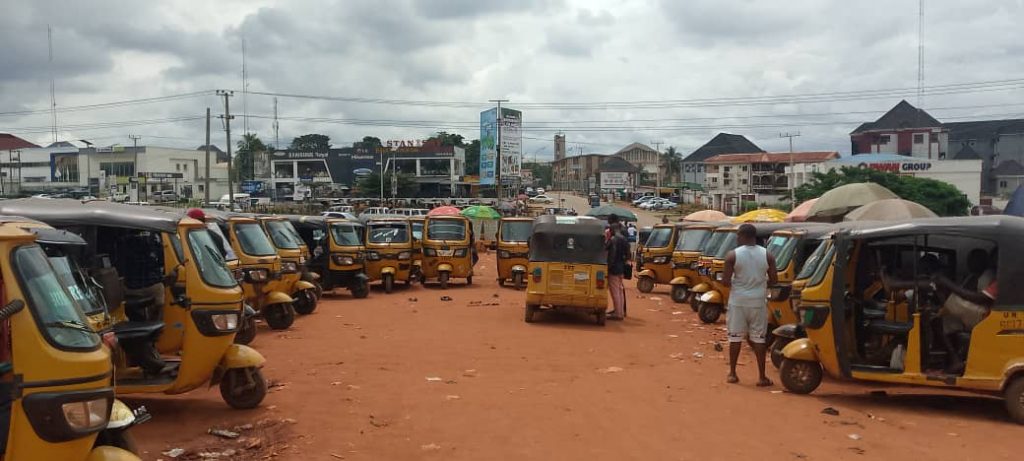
x=702, y=283
x=193, y=328
x=347, y=262
x=689, y=245
x=56, y=379
x=311, y=231
x=416, y=223
x=289, y=247
x=389, y=251
x=568, y=266
x=255, y=261
x=448, y=249
x=713, y=301
x=514, y=250
x=874, y=308
x=657, y=256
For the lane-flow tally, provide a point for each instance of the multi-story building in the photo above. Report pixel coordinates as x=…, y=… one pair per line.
x=903, y=130
x=722, y=143
x=765, y=177
x=646, y=159
x=577, y=173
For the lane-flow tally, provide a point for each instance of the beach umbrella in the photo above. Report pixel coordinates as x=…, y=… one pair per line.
x=604, y=211
x=892, y=209
x=799, y=214
x=706, y=216
x=761, y=215
x=444, y=211
x=480, y=212
x=1015, y=207
x=837, y=202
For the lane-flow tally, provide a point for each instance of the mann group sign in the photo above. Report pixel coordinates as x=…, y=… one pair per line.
x=614, y=180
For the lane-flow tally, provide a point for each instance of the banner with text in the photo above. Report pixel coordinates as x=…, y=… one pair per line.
x=488, y=145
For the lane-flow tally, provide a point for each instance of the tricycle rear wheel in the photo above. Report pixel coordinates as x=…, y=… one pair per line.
x=361, y=290
x=1014, y=397
x=645, y=284
x=530, y=310
x=602, y=315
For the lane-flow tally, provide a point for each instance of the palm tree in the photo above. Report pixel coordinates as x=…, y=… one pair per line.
x=670, y=164
x=245, y=162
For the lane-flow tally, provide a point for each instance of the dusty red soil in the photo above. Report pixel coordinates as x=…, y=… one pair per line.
x=354, y=382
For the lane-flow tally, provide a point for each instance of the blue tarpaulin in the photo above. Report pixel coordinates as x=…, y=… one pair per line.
x=1016, y=205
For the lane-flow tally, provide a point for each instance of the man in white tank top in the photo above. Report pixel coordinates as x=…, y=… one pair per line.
x=749, y=270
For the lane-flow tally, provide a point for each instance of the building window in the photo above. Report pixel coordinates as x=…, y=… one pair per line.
x=919, y=138
x=1002, y=184
x=118, y=168
x=177, y=167
x=883, y=139
x=743, y=181
x=184, y=166
x=744, y=168
x=714, y=180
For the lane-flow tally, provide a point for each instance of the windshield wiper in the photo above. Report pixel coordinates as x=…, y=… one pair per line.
x=71, y=325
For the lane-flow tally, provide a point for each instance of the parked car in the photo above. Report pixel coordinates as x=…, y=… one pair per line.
x=372, y=211
x=643, y=199
x=541, y=199
x=342, y=208
x=339, y=214
x=164, y=196
x=657, y=204
x=541, y=191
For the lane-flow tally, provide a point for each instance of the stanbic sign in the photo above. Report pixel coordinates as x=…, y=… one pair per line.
x=898, y=167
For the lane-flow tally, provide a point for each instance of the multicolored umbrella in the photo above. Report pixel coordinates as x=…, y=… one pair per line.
x=444, y=211
x=480, y=212
x=892, y=209
x=604, y=211
x=706, y=216
x=799, y=214
x=837, y=202
x=761, y=215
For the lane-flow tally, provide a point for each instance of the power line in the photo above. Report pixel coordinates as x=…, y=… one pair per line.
x=112, y=104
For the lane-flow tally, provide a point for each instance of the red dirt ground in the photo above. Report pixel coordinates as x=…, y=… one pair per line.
x=352, y=383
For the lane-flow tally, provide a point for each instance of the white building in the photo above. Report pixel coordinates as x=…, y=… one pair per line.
x=114, y=170
x=763, y=177
x=965, y=175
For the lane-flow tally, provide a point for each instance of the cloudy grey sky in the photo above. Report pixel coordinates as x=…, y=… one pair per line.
x=532, y=52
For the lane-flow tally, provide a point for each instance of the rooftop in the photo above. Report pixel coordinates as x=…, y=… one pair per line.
x=723, y=143
x=774, y=157
x=9, y=141
x=902, y=115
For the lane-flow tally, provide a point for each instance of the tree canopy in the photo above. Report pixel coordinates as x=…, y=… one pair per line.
x=243, y=164
x=311, y=143
x=369, y=186
x=670, y=163
x=941, y=197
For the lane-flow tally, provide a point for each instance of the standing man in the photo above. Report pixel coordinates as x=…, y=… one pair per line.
x=748, y=270
x=618, y=258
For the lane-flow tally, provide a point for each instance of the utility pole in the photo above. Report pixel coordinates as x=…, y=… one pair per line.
x=657, y=167
x=227, y=129
x=206, y=175
x=792, y=167
x=53, y=95
x=497, y=157
x=135, y=151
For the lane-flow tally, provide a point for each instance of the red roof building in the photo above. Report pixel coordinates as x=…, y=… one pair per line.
x=11, y=142
x=763, y=176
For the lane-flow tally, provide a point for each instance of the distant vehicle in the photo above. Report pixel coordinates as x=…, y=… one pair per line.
x=595, y=200
x=560, y=211
x=225, y=200
x=654, y=203
x=643, y=199
x=541, y=199
x=42, y=196
x=362, y=171
x=164, y=196
x=411, y=211
x=377, y=210
x=339, y=214
x=541, y=191
x=342, y=209
x=118, y=197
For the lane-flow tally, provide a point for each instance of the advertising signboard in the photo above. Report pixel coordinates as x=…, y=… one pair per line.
x=64, y=167
x=614, y=180
x=511, y=144
x=488, y=145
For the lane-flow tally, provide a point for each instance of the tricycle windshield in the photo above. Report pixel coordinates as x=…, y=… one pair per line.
x=396, y=232
x=659, y=238
x=282, y=236
x=812, y=262
x=71, y=278
x=516, y=231
x=294, y=232
x=221, y=242
x=692, y=239
x=58, y=315
x=417, y=230
x=727, y=244
x=446, y=229
x=782, y=247
x=346, y=235
x=209, y=260
x=253, y=240
x=713, y=243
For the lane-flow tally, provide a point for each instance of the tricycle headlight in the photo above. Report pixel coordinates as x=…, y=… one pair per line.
x=404, y=256
x=660, y=260
x=460, y=253
x=693, y=265
x=718, y=276
x=373, y=256
x=86, y=416
x=289, y=266
x=504, y=254
x=429, y=252
x=774, y=293
x=258, y=275
x=225, y=322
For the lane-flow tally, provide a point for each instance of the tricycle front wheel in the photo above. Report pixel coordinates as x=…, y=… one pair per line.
x=243, y=388
x=279, y=316
x=517, y=280
x=679, y=293
x=645, y=284
x=709, y=313
x=800, y=376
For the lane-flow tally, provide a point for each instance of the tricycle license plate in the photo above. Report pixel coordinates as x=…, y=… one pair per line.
x=581, y=276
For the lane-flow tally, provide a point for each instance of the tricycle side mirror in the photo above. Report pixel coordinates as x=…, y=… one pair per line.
x=11, y=308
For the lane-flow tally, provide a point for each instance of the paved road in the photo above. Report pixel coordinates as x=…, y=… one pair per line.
x=581, y=205
x=409, y=376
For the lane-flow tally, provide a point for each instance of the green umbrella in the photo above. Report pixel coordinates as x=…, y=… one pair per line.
x=480, y=212
x=605, y=211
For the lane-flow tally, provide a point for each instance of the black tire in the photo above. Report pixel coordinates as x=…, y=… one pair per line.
x=645, y=284
x=246, y=331
x=518, y=281
x=709, y=313
x=119, y=438
x=501, y=282
x=678, y=293
x=243, y=388
x=279, y=316
x=776, y=351
x=305, y=302
x=692, y=300
x=469, y=280
x=389, y=283
x=443, y=279
x=1014, y=398
x=360, y=291
x=800, y=376
x=530, y=311
x=602, y=315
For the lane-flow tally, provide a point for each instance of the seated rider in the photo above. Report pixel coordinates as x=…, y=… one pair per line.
x=140, y=262
x=966, y=304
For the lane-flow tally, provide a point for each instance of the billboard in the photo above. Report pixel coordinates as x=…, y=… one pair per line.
x=488, y=145
x=511, y=145
x=614, y=180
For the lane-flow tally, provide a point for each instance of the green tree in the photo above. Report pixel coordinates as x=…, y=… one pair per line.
x=450, y=139
x=372, y=141
x=311, y=143
x=473, y=157
x=541, y=173
x=369, y=186
x=244, y=162
x=941, y=197
x=669, y=164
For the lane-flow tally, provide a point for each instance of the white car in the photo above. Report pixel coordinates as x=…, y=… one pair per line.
x=541, y=199
x=643, y=200
x=540, y=191
x=655, y=204
x=339, y=214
